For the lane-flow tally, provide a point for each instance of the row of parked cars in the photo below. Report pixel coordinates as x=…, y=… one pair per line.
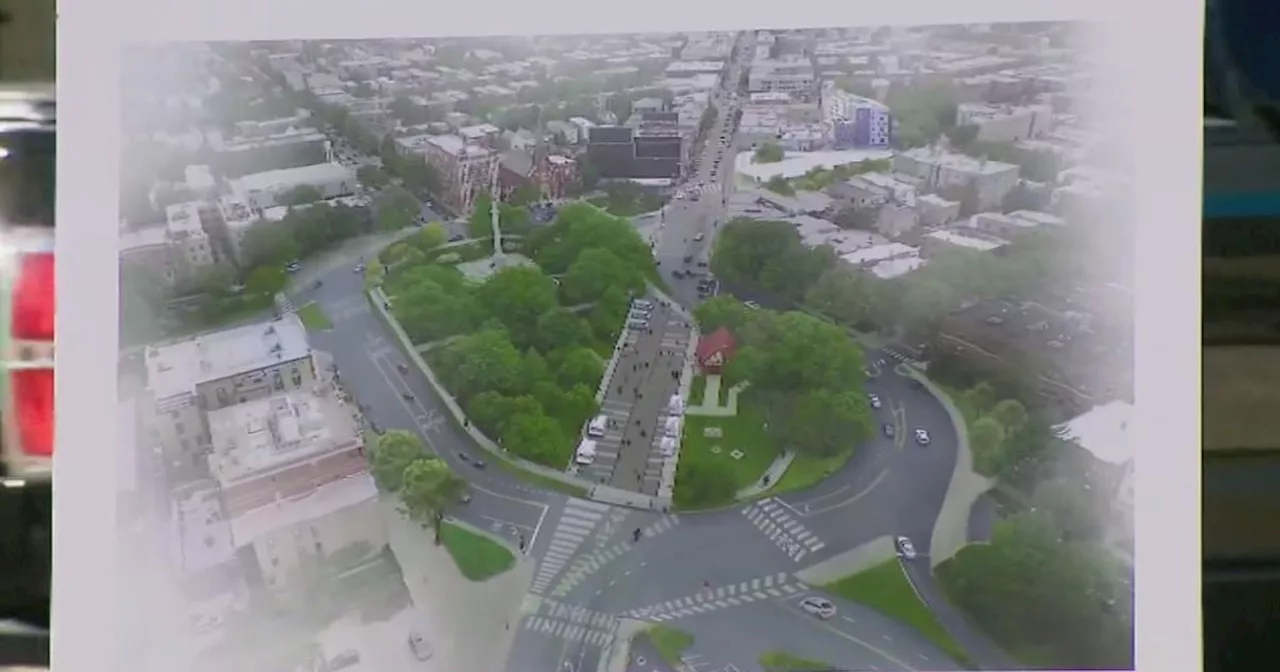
x=639, y=314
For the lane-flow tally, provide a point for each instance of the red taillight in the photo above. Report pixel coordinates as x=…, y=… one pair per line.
x=33, y=409
x=33, y=302
x=31, y=366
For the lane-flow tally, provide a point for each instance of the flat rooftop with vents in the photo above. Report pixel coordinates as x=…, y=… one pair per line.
x=265, y=435
x=180, y=367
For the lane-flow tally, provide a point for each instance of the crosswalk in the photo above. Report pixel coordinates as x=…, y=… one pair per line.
x=577, y=522
x=568, y=622
x=782, y=529
x=900, y=356
x=587, y=565
x=772, y=587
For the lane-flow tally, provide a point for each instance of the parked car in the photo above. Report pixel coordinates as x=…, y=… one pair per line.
x=888, y=430
x=922, y=437
x=820, y=607
x=874, y=400
x=751, y=304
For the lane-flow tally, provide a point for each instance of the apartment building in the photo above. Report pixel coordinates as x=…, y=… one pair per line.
x=293, y=482
x=213, y=371
x=271, y=188
x=289, y=148
x=854, y=121
x=466, y=170
x=191, y=249
x=1004, y=123
x=942, y=170
x=793, y=75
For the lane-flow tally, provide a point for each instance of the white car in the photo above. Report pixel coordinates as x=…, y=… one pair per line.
x=874, y=400
x=819, y=607
x=358, y=269
x=922, y=437
x=905, y=548
x=751, y=304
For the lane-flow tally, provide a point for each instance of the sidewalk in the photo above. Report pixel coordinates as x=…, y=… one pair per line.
x=852, y=561
x=770, y=476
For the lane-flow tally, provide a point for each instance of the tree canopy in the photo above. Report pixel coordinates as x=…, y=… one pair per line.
x=428, y=490
x=391, y=455
x=769, y=152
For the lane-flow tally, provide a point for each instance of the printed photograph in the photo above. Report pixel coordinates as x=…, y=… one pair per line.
x=758, y=351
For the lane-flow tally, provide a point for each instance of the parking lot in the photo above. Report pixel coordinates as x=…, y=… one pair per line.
x=644, y=379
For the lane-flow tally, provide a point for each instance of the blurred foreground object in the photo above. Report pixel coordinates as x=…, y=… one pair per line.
x=28, y=44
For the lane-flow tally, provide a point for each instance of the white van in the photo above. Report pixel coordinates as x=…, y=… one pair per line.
x=675, y=406
x=667, y=446
x=586, y=453
x=595, y=429
x=672, y=426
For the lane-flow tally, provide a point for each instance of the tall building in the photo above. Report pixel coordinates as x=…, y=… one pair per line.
x=793, y=75
x=465, y=168
x=854, y=121
x=654, y=149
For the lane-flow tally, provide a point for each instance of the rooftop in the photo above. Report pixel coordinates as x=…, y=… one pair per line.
x=235, y=212
x=287, y=178
x=878, y=253
x=968, y=240
x=178, y=368
x=898, y=266
x=204, y=533
x=456, y=146
x=184, y=219
x=960, y=162
x=257, y=437
x=285, y=513
x=796, y=164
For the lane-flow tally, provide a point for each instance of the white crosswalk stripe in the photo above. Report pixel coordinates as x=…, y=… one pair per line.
x=782, y=528
x=577, y=522
x=771, y=587
x=585, y=566
x=569, y=622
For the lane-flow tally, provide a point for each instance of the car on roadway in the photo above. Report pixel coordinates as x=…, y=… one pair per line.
x=456, y=237
x=700, y=237
x=888, y=430
x=358, y=269
x=751, y=304
x=820, y=607
x=922, y=437
x=905, y=548
x=874, y=400
x=293, y=267
x=473, y=461
x=421, y=650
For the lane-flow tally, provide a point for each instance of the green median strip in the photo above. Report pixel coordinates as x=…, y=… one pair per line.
x=478, y=557
x=886, y=589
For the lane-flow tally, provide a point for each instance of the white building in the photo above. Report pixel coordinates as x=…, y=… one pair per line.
x=793, y=75
x=191, y=248
x=293, y=481
x=962, y=239
x=269, y=189
x=943, y=170
x=213, y=371
x=855, y=121
x=1002, y=123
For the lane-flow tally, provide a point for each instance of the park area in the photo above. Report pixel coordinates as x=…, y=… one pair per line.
x=521, y=341
x=478, y=557
x=806, y=393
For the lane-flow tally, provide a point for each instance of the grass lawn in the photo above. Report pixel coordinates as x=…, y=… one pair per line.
x=314, y=318
x=477, y=557
x=781, y=661
x=696, y=387
x=806, y=471
x=744, y=432
x=670, y=643
x=886, y=589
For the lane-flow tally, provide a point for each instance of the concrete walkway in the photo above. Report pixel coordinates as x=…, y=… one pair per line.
x=617, y=655
x=468, y=625
x=710, y=405
x=855, y=560
x=770, y=477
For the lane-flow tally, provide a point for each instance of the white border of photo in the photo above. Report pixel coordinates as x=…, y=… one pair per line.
x=1153, y=52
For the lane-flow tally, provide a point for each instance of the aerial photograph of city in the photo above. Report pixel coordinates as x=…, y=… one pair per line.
x=755, y=351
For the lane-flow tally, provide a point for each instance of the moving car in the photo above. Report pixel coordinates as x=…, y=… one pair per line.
x=888, y=430
x=820, y=607
x=905, y=548
x=700, y=236
x=421, y=650
x=358, y=269
x=922, y=437
x=874, y=400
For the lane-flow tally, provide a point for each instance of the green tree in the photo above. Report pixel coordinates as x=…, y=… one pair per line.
x=580, y=366
x=722, y=310
x=429, y=490
x=700, y=484
x=745, y=247
x=821, y=422
x=517, y=296
x=430, y=237
x=806, y=354
x=595, y=271
x=485, y=360
x=1010, y=413
x=395, y=209
x=269, y=244
x=779, y=185
x=607, y=316
x=581, y=226
x=266, y=280
x=491, y=411
x=843, y=294
x=576, y=407
x=980, y=398
x=769, y=152
x=391, y=455
x=537, y=438
x=986, y=438
x=559, y=328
